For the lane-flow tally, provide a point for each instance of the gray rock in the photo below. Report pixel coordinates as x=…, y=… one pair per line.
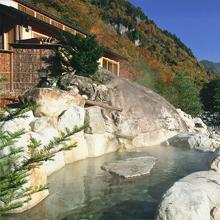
x=215, y=213
x=17, y=124
x=215, y=160
x=193, y=124
x=96, y=121
x=120, y=28
x=215, y=136
x=100, y=144
x=195, y=141
x=70, y=118
x=200, y=126
x=85, y=85
x=45, y=135
x=199, y=123
x=187, y=119
x=43, y=122
x=192, y=198
x=131, y=167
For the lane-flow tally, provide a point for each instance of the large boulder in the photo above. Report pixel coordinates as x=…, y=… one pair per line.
x=52, y=102
x=191, y=140
x=191, y=198
x=144, y=111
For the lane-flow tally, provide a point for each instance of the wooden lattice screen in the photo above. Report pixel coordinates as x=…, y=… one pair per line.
x=5, y=70
x=27, y=63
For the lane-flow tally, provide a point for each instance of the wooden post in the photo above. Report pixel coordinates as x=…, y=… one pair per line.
x=107, y=65
x=100, y=62
x=11, y=71
x=103, y=105
x=118, y=69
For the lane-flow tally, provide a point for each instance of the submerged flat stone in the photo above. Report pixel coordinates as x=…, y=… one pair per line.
x=130, y=167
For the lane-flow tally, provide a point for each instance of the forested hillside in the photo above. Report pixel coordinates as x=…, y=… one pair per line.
x=211, y=66
x=154, y=56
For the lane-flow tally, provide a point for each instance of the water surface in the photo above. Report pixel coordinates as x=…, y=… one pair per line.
x=82, y=191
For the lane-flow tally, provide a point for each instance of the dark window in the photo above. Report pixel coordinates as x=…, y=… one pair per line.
x=110, y=66
x=1, y=33
x=105, y=64
x=1, y=41
x=115, y=69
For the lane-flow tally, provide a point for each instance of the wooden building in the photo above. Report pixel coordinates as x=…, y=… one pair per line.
x=26, y=37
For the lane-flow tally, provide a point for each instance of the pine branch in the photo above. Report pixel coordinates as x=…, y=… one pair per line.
x=47, y=152
x=11, y=114
x=15, y=168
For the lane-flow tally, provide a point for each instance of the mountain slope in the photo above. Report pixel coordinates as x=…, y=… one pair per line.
x=211, y=66
x=153, y=55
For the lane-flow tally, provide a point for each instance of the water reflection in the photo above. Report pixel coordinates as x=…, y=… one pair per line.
x=82, y=191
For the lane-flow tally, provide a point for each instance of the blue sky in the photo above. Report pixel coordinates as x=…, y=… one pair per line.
x=195, y=22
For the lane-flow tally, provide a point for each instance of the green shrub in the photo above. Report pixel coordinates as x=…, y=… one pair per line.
x=183, y=94
x=77, y=54
x=210, y=96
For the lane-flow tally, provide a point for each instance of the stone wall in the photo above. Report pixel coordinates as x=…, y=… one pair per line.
x=57, y=110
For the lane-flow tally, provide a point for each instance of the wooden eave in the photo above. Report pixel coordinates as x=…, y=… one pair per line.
x=34, y=45
x=55, y=18
x=21, y=18
x=112, y=55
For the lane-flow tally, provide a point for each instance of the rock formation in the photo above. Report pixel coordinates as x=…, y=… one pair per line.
x=198, y=135
x=146, y=119
x=195, y=196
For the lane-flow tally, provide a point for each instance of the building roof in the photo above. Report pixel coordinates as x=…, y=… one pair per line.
x=113, y=55
x=35, y=45
x=67, y=23
x=22, y=15
x=14, y=11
